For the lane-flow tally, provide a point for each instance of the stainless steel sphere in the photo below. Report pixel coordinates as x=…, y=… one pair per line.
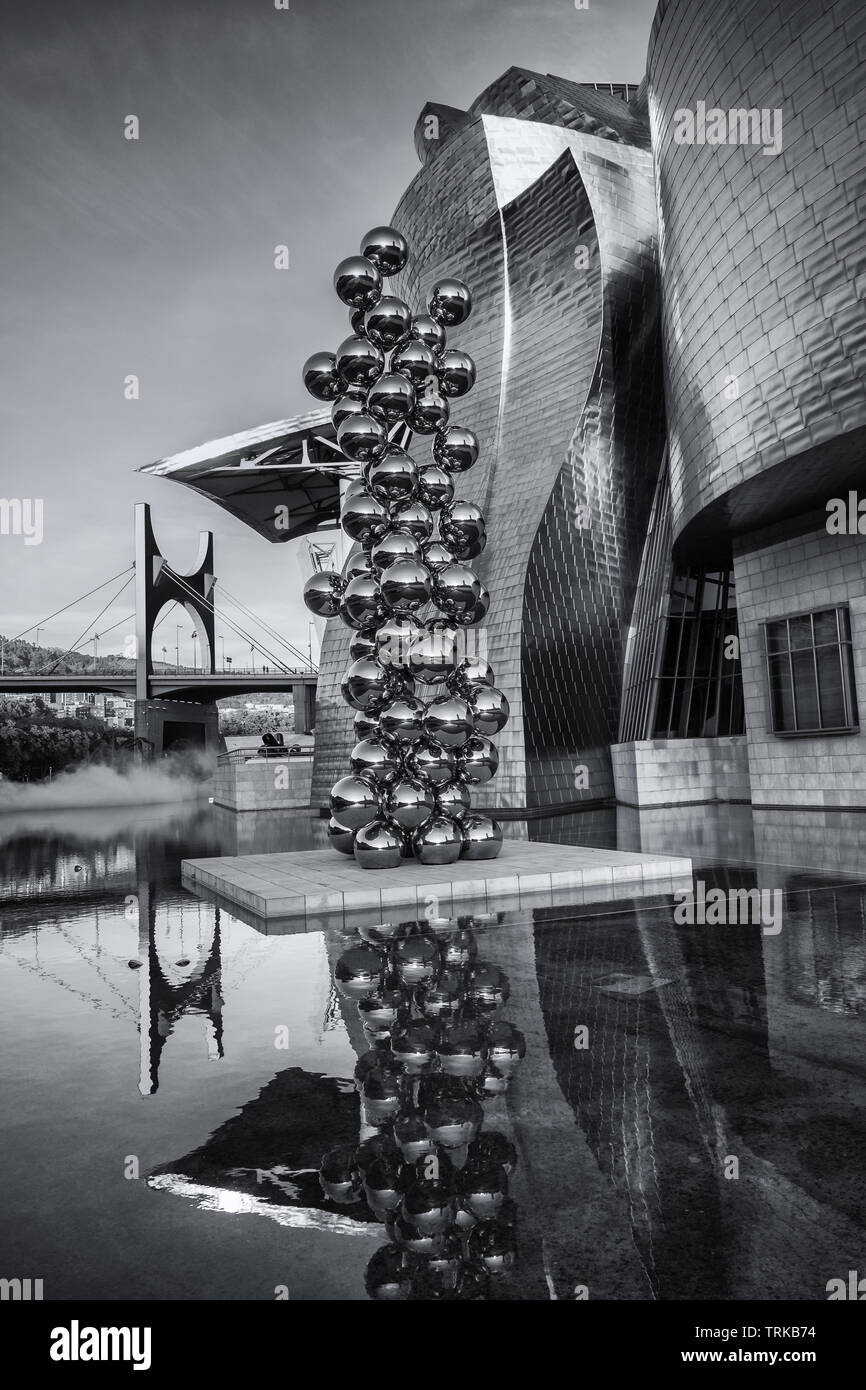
x=340, y=838
x=322, y=594
x=456, y=590
x=456, y=373
x=387, y=324
x=322, y=377
x=409, y=803
x=406, y=586
x=416, y=961
x=463, y=530
x=356, y=319
x=357, y=282
x=415, y=361
x=353, y=402
x=412, y=1046
x=364, y=518
x=391, y=399
x=395, y=545
x=431, y=763
x=462, y=1049
x=482, y=838
x=378, y=846
x=387, y=248
x=430, y=413
x=412, y=516
x=426, y=330
x=435, y=487
x=399, y=684
x=394, y=639
x=456, y=448
x=393, y=478
x=361, y=437
x=403, y=719
x=364, y=685
x=477, y=761
x=365, y=725
x=470, y=672
x=353, y=803
x=449, y=721
x=438, y=841
x=470, y=616
x=449, y=302
x=491, y=710
x=435, y=555
x=359, y=362
x=453, y=800
x=377, y=761
x=453, y=1120
x=358, y=562
x=361, y=604
x=431, y=657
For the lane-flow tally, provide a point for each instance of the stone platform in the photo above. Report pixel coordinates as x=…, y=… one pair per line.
x=313, y=888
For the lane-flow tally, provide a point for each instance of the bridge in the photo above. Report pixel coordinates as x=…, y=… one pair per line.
x=189, y=683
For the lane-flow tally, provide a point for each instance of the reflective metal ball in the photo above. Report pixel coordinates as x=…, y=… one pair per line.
x=435, y=487
x=456, y=448
x=364, y=518
x=402, y=719
x=378, y=846
x=406, y=586
x=393, y=478
x=361, y=604
x=395, y=637
x=363, y=644
x=395, y=545
x=432, y=764
x=353, y=402
x=456, y=590
x=449, y=302
x=431, y=657
x=490, y=709
x=453, y=800
x=357, y=562
x=414, y=517
x=470, y=672
x=453, y=1120
x=340, y=838
x=359, y=971
x=456, y=372
x=426, y=330
x=379, y=762
x=482, y=838
x=438, y=841
x=488, y=987
x=412, y=1046
x=430, y=413
x=462, y=1049
x=387, y=324
x=361, y=437
x=353, y=803
x=416, y=960
x=365, y=725
x=322, y=377
x=391, y=399
x=363, y=684
x=415, y=361
x=357, y=282
x=322, y=594
x=435, y=555
x=477, y=761
x=470, y=616
x=449, y=721
x=387, y=248
x=359, y=362
x=409, y=803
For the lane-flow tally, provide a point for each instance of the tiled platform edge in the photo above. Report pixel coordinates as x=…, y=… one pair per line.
x=315, y=886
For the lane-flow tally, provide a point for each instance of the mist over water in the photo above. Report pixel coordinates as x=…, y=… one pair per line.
x=103, y=786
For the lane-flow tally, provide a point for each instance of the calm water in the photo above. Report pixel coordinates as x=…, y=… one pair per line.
x=171, y=1075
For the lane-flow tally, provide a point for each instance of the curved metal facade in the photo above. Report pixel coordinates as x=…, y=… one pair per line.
x=542, y=198
x=762, y=262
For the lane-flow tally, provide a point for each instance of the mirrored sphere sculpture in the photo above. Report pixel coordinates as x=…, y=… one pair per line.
x=408, y=593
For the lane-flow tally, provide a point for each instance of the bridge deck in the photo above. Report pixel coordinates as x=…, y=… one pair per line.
x=315, y=888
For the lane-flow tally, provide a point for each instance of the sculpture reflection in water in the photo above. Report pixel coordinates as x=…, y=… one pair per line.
x=407, y=590
x=428, y=1170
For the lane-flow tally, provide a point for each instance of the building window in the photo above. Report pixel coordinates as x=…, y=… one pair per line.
x=700, y=686
x=811, y=673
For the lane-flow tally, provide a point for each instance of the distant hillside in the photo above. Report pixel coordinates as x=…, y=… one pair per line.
x=22, y=657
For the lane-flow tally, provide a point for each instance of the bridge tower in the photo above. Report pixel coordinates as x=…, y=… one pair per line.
x=159, y=723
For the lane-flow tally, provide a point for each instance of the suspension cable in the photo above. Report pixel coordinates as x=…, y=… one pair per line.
x=70, y=651
x=45, y=621
x=247, y=637
x=267, y=627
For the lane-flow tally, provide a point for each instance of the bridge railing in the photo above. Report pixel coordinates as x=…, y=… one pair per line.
x=234, y=756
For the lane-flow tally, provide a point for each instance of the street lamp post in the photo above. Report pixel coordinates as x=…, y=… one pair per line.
x=253, y=657
x=177, y=647
x=223, y=640
x=194, y=652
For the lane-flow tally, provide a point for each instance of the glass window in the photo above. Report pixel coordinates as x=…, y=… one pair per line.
x=811, y=673
x=700, y=681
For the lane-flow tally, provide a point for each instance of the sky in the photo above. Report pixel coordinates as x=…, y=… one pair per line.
x=154, y=257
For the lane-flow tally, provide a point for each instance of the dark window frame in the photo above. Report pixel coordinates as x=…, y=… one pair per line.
x=843, y=645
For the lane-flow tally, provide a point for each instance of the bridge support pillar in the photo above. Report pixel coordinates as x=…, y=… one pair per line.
x=304, y=699
x=165, y=726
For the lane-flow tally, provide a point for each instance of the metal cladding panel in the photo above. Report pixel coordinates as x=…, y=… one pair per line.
x=762, y=259
x=567, y=406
